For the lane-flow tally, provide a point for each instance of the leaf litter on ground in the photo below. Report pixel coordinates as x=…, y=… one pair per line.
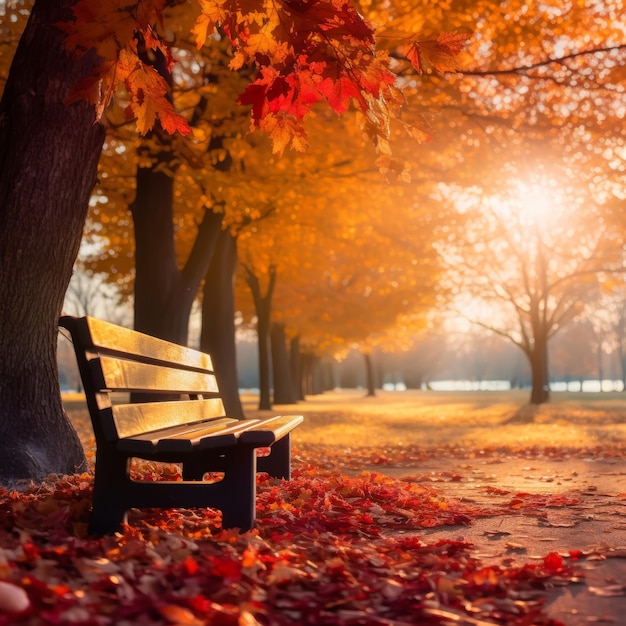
x=327, y=549
x=335, y=545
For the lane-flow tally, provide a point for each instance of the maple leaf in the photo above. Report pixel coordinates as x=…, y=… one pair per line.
x=90, y=88
x=339, y=93
x=260, y=43
x=238, y=61
x=440, y=54
x=148, y=91
x=212, y=12
x=412, y=52
x=284, y=131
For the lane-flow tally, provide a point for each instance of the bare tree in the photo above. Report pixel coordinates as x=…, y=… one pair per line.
x=525, y=269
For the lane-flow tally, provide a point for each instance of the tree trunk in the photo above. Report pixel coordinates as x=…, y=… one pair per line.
x=600, y=370
x=369, y=375
x=284, y=390
x=306, y=368
x=295, y=365
x=218, y=321
x=263, y=308
x=538, y=357
x=164, y=294
x=48, y=166
x=327, y=375
x=311, y=377
x=265, y=404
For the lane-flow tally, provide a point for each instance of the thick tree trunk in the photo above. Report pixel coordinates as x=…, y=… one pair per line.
x=218, y=321
x=164, y=294
x=284, y=390
x=48, y=163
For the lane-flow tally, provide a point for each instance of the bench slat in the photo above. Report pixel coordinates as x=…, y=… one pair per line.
x=115, y=374
x=108, y=338
x=134, y=419
x=204, y=437
x=177, y=442
x=252, y=432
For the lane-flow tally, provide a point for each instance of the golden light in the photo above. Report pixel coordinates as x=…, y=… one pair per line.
x=536, y=202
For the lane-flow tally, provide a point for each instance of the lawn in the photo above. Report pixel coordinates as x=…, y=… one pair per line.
x=436, y=420
x=458, y=422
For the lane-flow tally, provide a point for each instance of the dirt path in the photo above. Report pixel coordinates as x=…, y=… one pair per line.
x=595, y=525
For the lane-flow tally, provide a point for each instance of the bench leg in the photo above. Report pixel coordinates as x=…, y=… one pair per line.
x=278, y=463
x=238, y=509
x=111, y=483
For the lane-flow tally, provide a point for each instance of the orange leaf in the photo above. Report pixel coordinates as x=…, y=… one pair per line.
x=284, y=131
x=179, y=615
x=212, y=13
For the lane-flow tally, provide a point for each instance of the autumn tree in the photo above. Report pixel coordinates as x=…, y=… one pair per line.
x=162, y=305
x=530, y=262
x=539, y=104
x=348, y=255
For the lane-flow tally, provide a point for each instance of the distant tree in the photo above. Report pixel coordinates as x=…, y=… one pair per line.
x=528, y=264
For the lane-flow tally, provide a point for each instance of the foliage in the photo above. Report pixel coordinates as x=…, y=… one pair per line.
x=509, y=107
x=303, y=52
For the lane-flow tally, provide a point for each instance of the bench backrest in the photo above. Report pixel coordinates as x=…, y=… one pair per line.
x=113, y=359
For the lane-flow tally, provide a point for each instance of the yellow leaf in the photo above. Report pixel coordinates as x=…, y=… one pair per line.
x=238, y=61
x=261, y=42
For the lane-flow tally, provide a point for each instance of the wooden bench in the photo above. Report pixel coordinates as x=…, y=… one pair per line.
x=188, y=426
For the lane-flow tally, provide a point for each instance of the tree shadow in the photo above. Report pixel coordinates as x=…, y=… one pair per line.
x=524, y=415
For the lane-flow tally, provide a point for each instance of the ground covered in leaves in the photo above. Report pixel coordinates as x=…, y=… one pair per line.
x=360, y=535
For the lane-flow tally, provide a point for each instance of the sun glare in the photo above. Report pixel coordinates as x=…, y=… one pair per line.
x=536, y=202
x=530, y=204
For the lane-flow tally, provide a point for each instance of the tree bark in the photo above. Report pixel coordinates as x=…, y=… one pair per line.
x=538, y=358
x=164, y=293
x=263, y=308
x=284, y=390
x=218, y=321
x=48, y=167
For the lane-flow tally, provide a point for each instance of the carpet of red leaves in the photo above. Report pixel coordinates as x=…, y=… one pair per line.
x=328, y=548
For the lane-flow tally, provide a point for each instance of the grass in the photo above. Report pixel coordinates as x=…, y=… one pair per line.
x=432, y=419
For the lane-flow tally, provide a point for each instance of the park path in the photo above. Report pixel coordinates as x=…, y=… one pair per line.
x=595, y=525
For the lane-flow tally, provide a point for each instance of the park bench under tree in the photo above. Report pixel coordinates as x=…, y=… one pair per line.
x=187, y=424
